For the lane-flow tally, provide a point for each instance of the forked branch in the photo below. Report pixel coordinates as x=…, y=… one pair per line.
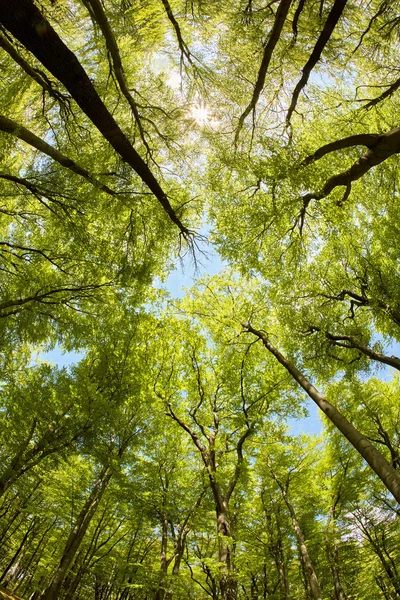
x=273, y=39
x=331, y=22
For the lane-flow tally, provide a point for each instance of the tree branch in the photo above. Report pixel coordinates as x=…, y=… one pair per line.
x=273, y=39
x=383, y=469
x=331, y=22
x=33, y=30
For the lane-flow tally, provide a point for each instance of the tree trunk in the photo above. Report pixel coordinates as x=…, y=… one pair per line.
x=304, y=556
x=385, y=471
x=332, y=554
x=160, y=593
x=25, y=21
x=227, y=582
x=77, y=534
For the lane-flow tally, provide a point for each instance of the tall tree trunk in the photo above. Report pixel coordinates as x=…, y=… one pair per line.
x=160, y=593
x=77, y=534
x=385, y=471
x=280, y=562
x=304, y=556
x=332, y=554
x=227, y=582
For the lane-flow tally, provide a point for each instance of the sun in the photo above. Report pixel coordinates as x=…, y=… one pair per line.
x=200, y=114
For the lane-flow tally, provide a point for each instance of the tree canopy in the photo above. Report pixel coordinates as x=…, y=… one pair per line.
x=161, y=463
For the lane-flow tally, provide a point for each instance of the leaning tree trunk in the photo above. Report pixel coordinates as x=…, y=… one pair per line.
x=77, y=534
x=378, y=463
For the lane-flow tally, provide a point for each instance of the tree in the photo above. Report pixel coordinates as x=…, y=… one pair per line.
x=161, y=464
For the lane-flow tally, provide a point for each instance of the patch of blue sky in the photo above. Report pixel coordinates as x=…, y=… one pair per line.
x=58, y=357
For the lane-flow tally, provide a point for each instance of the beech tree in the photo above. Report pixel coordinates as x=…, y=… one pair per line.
x=161, y=463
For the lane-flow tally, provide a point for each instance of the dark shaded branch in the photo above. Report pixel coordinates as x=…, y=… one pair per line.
x=296, y=17
x=384, y=6
x=181, y=42
x=20, y=302
x=239, y=463
x=273, y=39
x=39, y=192
x=362, y=300
x=352, y=342
x=331, y=22
x=19, y=131
x=191, y=432
x=35, y=74
x=34, y=31
x=381, y=147
x=386, y=94
x=28, y=251
x=362, y=139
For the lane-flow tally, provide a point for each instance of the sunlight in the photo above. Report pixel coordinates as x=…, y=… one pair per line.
x=200, y=114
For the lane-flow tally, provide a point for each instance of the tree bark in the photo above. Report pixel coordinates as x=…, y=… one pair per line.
x=304, y=556
x=332, y=554
x=383, y=469
x=23, y=19
x=77, y=534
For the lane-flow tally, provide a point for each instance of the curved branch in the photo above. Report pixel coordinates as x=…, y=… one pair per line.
x=362, y=139
x=35, y=74
x=273, y=39
x=386, y=94
x=352, y=342
x=381, y=147
x=39, y=192
x=183, y=47
x=296, y=17
x=331, y=22
x=47, y=295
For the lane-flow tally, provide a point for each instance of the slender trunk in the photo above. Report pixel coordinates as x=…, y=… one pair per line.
x=227, y=582
x=16, y=554
x=160, y=593
x=77, y=534
x=332, y=554
x=304, y=556
x=384, y=470
x=27, y=566
x=280, y=562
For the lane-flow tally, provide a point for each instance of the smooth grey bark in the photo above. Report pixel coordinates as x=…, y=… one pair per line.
x=378, y=463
